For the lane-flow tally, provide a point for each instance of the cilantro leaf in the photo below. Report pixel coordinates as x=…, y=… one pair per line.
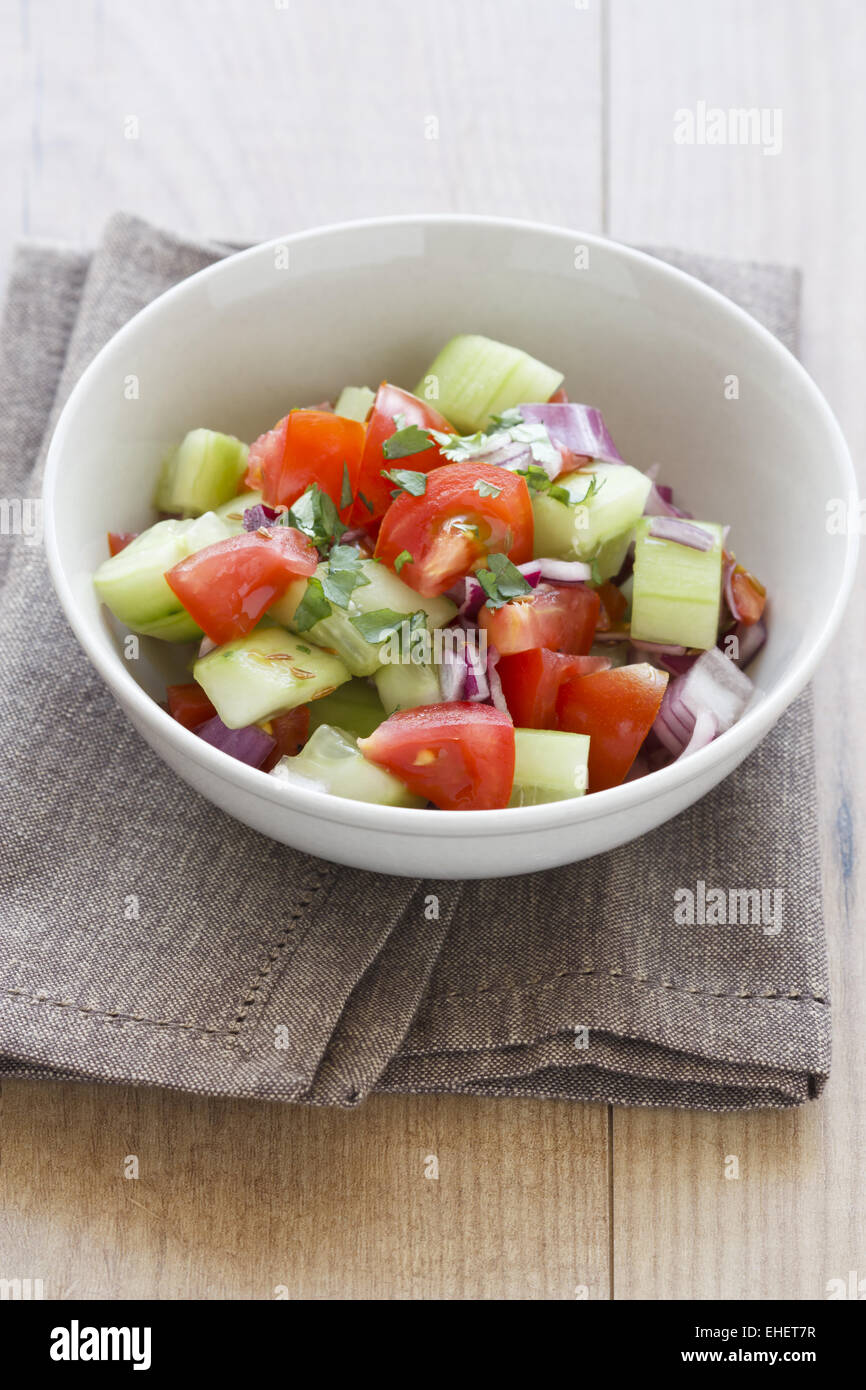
x=460, y=448
x=315, y=514
x=485, y=489
x=344, y=575
x=404, y=558
x=502, y=581
x=537, y=480
x=410, y=440
x=407, y=481
x=367, y=503
x=346, y=493
x=507, y=420
x=378, y=626
x=312, y=607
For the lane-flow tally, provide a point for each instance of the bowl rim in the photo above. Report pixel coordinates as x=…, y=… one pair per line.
x=734, y=744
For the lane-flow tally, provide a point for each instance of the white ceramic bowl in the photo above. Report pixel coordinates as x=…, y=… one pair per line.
x=236, y=345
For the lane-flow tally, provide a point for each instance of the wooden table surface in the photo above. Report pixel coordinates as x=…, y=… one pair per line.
x=254, y=117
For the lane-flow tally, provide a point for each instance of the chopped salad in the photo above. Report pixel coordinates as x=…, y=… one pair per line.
x=461, y=596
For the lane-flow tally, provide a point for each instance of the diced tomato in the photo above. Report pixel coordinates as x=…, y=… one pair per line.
x=531, y=682
x=617, y=709
x=228, y=586
x=391, y=402
x=561, y=617
x=189, y=705
x=613, y=606
x=559, y=397
x=460, y=756
x=453, y=527
x=119, y=540
x=290, y=732
x=749, y=595
x=308, y=446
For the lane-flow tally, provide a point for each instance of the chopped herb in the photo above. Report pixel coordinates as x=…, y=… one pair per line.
x=537, y=480
x=379, y=626
x=367, y=504
x=409, y=440
x=315, y=514
x=460, y=448
x=541, y=447
x=346, y=494
x=344, y=574
x=307, y=650
x=312, y=608
x=407, y=481
x=595, y=487
x=404, y=558
x=485, y=489
x=502, y=581
x=507, y=420
x=595, y=573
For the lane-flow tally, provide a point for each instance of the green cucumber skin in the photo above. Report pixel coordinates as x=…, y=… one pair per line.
x=677, y=590
x=600, y=529
x=477, y=377
x=549, y=766
x=132, y=584
x=332, y=761
x=355, y=706
x=202, y=473
x=407, y=685
x=385, y=590
x=246, y=687
x=355, y=403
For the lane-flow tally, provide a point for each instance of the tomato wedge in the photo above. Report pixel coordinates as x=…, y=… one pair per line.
x=561, y=617
x=531, y=682
x=228, y=586
x=119, y=540
x=460, y=756
x=392, y=402
x=290, y=732
x=617, y=709
x=308, y=446
x=452, y=527
x=189, y=705
x=749, y=595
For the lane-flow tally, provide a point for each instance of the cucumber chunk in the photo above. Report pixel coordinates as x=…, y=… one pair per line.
x=383, y=591
x=204, y=471
x=132, y=583
x=549, y=766
x=355, y=707
x=406, y=685
x=354, y=403
x=597, y=524
x=476, y=377
x=677, y=590
x=232, y=512
x=265, y=673
x=332, y=761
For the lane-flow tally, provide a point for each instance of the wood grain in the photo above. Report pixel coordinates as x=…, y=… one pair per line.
x=796, y=1217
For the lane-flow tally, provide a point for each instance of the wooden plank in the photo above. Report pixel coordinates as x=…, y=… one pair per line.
x=796, y=1217
x=254, y=119
x=245, y=1200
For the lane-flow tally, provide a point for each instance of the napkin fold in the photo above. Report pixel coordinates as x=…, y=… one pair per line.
x=146, y=937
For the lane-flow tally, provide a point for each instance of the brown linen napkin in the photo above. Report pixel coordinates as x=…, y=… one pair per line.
x=147, y=937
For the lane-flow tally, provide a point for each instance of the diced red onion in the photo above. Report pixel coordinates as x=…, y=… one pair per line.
x=531, y=572
x=577, y=429
x=659, y=500
x=563, y=571
x=452, y=675
x=510, y=456
x=497, y=696
x=713, y=686
x=250, y=745
x=469, y=596
x=729, y=564
x=703, y=733
x=477, y=687
x=206, y=646
x=658, y=648
x=260, y=515
x=750, y=639
x=674, y=528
